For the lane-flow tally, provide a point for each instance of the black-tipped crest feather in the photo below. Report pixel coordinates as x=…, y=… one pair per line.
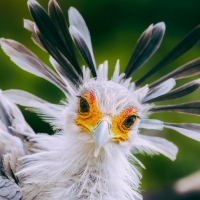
x=142, y=42
x=82, y=34
x=49, y=33
x=182, y=47
x=69, y=72
x=189, y=69
x=58, y=19
x=28, y=61
x=178, y=92
x=189, y=130
x=83, y=49
x=30, y=26
x=192, y=108
x=147, y=44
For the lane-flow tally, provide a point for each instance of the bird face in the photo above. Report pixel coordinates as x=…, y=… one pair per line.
x=105, y=113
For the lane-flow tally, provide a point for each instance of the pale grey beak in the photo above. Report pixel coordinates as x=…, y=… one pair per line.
x=101, y=135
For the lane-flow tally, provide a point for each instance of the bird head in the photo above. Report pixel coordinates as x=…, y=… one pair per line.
x=106, y=111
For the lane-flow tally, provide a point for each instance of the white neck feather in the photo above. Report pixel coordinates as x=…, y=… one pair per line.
x=70, y=171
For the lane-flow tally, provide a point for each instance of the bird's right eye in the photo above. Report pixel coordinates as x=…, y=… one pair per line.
x=129, y=121
x=84, y=106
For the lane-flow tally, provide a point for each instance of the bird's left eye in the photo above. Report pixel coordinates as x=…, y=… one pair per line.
x=84, y=106
x=129, y=121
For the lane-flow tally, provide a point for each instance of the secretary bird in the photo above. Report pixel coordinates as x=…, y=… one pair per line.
x=97, y=128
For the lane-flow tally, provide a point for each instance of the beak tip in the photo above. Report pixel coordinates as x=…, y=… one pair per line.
x=96, y=152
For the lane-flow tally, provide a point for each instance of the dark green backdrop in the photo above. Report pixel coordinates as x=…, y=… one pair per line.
x=115, y=26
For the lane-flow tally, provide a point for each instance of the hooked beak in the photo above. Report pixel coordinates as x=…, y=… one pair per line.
x=101, y=135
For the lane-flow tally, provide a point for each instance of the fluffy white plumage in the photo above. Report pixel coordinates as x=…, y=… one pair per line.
x=71, y=170
x=84, y=161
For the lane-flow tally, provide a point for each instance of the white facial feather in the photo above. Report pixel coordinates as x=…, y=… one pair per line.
x=112, y=98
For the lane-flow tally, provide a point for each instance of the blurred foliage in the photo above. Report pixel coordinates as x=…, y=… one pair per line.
x=115, y=26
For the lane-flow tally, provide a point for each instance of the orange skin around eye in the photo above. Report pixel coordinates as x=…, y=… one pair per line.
x=120, y=132
x=89, y=120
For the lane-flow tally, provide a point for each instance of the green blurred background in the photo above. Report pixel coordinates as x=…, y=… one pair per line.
x=115, y=26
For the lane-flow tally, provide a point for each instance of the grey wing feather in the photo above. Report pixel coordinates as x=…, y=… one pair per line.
x=9, y=190
x=6, y=167
x=12, y=147
x=18, y=125
x=4, y=116
x=14, y=118
x=11, y=165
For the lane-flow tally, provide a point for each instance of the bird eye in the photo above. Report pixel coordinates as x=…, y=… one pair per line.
x=129, y=121
x=84, y=106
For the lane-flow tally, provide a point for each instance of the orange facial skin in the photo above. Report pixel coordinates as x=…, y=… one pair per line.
x=87, y=121
x=119, y=130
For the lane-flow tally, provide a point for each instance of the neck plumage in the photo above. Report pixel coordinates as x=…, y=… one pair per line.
x=70, y=171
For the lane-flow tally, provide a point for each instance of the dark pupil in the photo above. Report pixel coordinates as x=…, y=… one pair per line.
x=128, y=122
x=84, y=107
